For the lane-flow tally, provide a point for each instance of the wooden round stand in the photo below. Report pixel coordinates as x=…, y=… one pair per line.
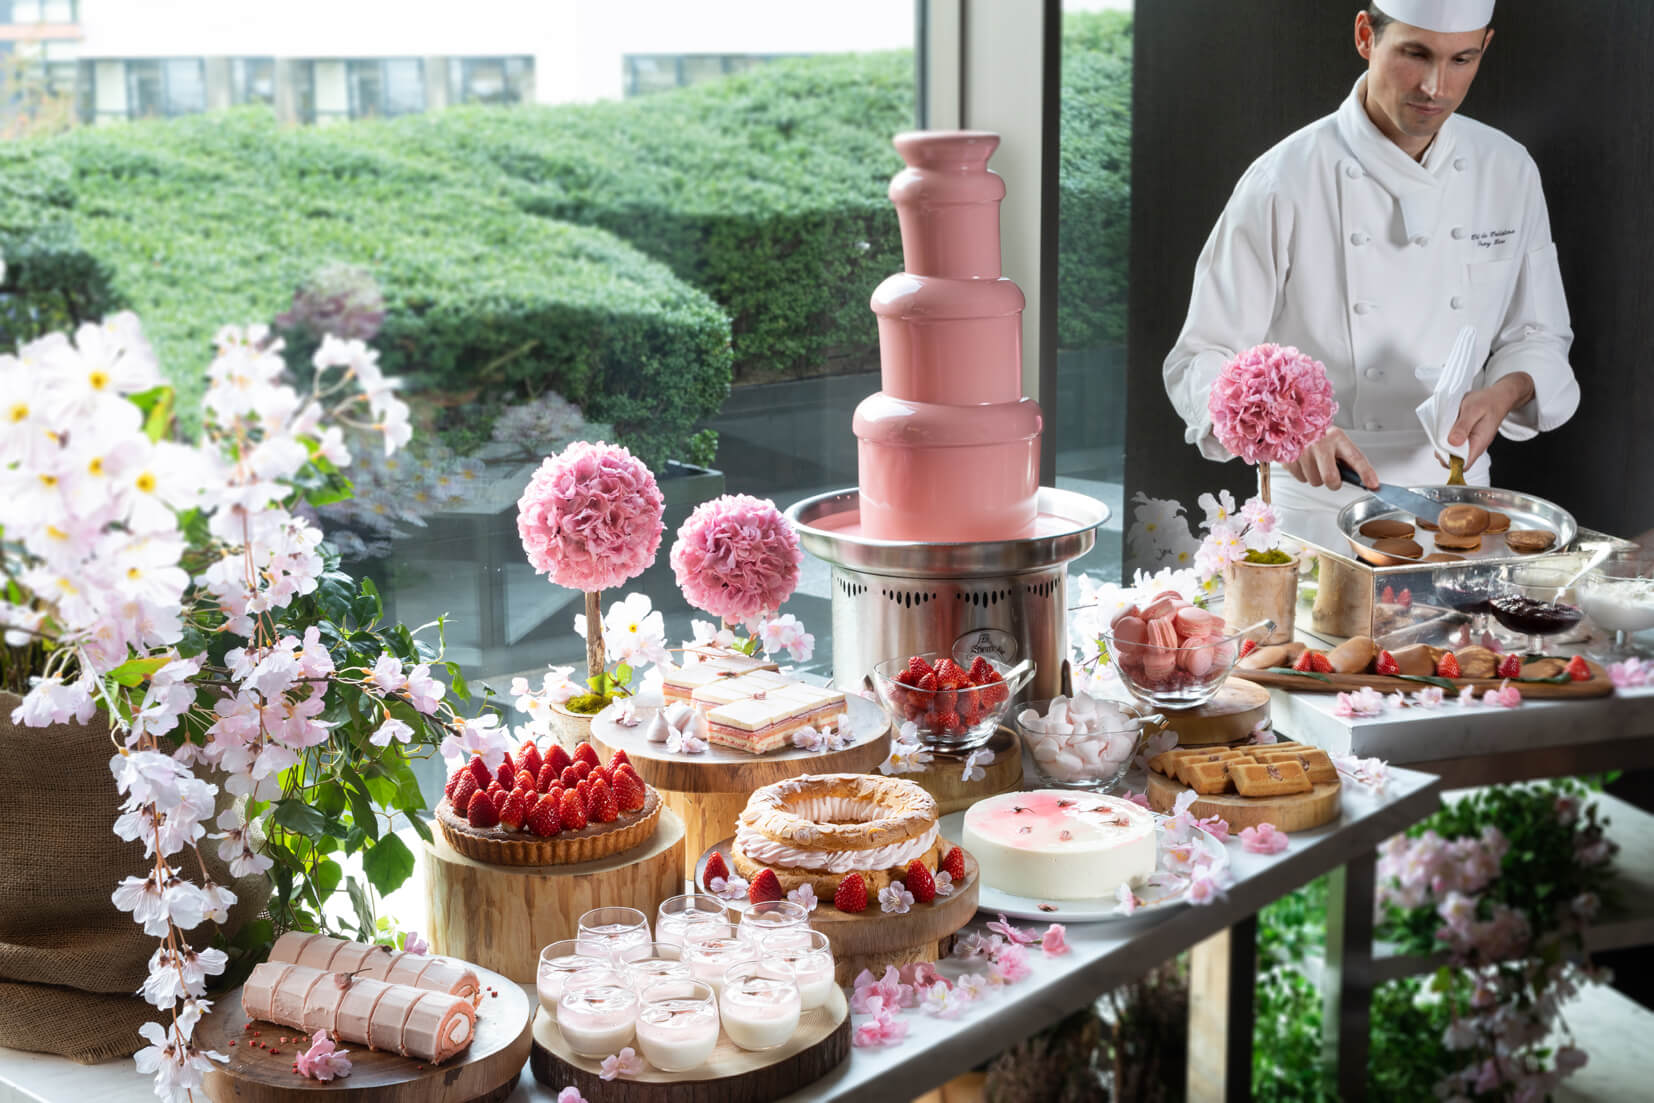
x=943, y=778
x=1229, y=717
x=709, y=791
x=874, y=938
x=730, y=1075
x=1298, y=812
x=499, y=917
x=485, y=1072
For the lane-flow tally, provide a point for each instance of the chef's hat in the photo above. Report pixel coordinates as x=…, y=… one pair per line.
x=1444, y=16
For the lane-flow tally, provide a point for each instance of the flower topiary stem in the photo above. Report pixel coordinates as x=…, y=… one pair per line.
x=595, y=658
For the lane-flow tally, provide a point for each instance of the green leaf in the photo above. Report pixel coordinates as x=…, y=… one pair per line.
x=329, y=798
x=1429, y=680
x=363, y=903
x=160, y=415
x=457, y=685
x=297, y=816
x=361, y=804
x=421, y=828
x=326, y=877
x=1300, y=673
x=623, y=675
x=387, y=864
x=134, y=671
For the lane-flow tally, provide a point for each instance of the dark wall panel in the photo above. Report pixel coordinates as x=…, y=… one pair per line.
x=1217, y=82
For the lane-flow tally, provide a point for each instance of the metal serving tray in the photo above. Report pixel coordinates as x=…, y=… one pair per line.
x=1524, y=510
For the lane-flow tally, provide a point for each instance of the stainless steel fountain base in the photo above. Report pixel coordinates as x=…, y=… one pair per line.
x=1007, y=599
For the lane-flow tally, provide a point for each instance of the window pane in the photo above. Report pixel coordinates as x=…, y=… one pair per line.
x=650, y=74
x=404, y=86
x=1088, y=411
x=186, y=86
x=145, y=95
x=254, y=80
x=367, y=94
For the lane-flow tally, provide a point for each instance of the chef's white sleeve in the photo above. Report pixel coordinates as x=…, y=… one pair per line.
x=1536, y=333
x=1238, y=280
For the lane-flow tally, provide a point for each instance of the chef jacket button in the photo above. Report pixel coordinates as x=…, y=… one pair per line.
x=1459, y=163
x=1458, y=233
x=1372, y=426
x=1456, y=302
x=1374, y=373
x=1359, y=238
x=1422, y=239
x=1362, y=308
x=1352, y=172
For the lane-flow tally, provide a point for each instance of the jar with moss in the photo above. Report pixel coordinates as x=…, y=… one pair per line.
x=1262, y=585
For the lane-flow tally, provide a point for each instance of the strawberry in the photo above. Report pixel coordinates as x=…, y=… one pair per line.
x=629, y=792
x=950, y=676
x=495, y=787
x=569, y=777
x=1388, y=597
x=479, y=770
x=851, y=895
x=919, y=882
x=980, y=669
x=1304, y=663
x=480, y=812
x=586, y=753
x=1386, y=664
x=917, y=668
x=1247, y=647
x=954, y=865
x=948, y=721
x=528, y=758
x=617, y=760
x=514, y=812
x=1448, y=667
x=523, y=780
x=583, y=769
x=715, y=867
x=605, y=773
x=453, y=781
x=499, y=797
x=1510, y=666
x=766, y=886
x=928, y=683
x=543, y=819
x=602, y=808
x=461, y=796
x=1405, y=599
x=1577, y=670
x=584, y=789
x=507, y=773
x=547, y=778
x=572, y=812
x=1319, y=663
x=559, y=758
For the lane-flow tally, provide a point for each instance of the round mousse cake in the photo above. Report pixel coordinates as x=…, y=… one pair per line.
x=1053, y=844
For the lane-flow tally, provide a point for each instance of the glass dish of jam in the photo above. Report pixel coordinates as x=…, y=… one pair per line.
x=1534, y=602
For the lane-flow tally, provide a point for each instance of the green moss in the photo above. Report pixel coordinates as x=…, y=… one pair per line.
x=1272, y=557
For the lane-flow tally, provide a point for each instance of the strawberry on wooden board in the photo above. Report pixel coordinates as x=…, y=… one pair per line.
x=1304, y=663
x=715, y=867
x=1247, y=647
x=851, y=895
x=1510, y=666
x=920, y=882
x=1448, y=667
x=1386, y=664
x=954, y=865
x=766, y=886
x=1577, y=670
x=1319, y=663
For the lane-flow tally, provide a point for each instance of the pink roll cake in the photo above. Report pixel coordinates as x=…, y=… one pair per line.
x=414, y=1022
x=370, y=962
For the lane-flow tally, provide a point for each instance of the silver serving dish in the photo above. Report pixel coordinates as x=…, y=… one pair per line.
x=1524, y=510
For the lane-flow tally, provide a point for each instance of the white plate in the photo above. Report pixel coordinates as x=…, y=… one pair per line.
x=1095, y=909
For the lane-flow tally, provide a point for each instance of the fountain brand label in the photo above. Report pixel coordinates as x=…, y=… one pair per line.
x=995, y=643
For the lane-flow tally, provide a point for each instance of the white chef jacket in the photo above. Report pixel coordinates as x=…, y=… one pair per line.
x=1337, y=242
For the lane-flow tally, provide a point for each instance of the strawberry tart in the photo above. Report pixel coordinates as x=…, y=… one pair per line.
x=550, y=809
x=1052, y=844
x=820, y=829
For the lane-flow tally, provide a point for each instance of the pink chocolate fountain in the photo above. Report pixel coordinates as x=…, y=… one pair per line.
x=949, y=449
x=950, y=544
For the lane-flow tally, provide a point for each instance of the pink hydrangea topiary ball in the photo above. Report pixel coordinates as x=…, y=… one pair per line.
x=591, y=517
x=737, y=558
x=1270, y=403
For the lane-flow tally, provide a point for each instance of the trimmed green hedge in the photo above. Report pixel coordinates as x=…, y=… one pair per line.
x=51, y=282
x=766, y=190
x=1094, y=179
x=218, y=218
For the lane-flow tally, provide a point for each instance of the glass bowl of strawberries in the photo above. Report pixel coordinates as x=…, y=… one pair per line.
x=956, y=708
x=1172, y=654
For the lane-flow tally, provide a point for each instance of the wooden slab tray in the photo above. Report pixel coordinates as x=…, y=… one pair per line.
x=1298, y=812
x=943, y=778
x=486, y=1071
x=1239, y=706
x=874, y=939
x=1598, y=685
x=730, y=1075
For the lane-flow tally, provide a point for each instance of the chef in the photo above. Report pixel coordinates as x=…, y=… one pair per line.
x=1369, y=239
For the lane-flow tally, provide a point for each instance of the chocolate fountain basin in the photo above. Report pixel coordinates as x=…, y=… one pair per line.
x=1007, y=599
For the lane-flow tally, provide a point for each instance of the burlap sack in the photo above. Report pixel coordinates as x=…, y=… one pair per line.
x=70, y=961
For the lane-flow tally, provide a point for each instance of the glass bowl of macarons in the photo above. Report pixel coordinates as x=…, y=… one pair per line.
x=1172, y=654
x=1084, y=742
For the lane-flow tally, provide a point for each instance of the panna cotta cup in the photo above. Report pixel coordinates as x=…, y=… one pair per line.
x=710, y=958
x=769, y=916
x=678, y=913
x=760, y=1004
x=677, y=1023
x=652, y=961
x=810, y=957
x=613, y=932
x=598, y=1012
x=558, y=962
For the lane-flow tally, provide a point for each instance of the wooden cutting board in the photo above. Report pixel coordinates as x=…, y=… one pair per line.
x=1229, y=717
x=485, y=1071
x=1297, y=812
x=943, y=778
x=1598, y=685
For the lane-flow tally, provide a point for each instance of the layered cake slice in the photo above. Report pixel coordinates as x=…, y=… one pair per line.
x=726, y=691
x=767, y=720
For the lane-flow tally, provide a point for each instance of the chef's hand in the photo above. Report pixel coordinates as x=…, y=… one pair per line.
x=1318, y=465
x=1483, y=410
